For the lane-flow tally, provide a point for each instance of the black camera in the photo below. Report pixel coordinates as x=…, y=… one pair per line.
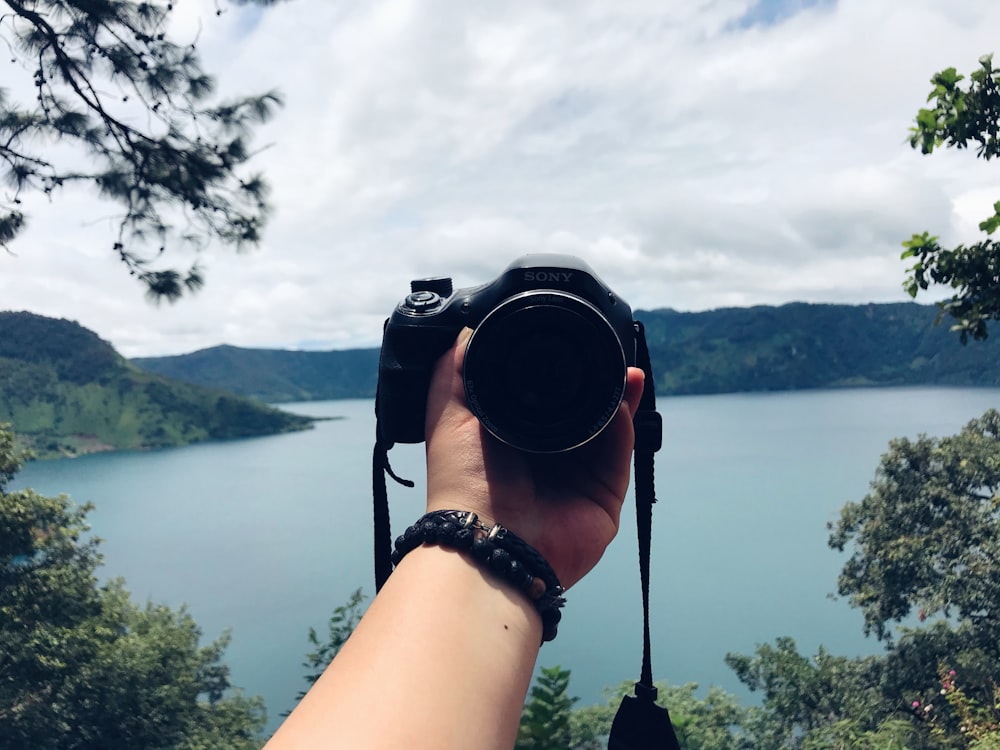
x=545, y=368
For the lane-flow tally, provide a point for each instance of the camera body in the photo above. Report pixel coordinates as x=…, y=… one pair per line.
x=545, y=367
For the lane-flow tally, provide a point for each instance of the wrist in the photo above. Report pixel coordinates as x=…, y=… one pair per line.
x=496, y=551
x=481, y=600
x=441, y=639
x=512, y=515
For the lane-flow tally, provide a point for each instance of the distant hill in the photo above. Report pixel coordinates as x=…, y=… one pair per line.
x=66, y=392
x=275, y=375
x=794, y=346
x=799, y=346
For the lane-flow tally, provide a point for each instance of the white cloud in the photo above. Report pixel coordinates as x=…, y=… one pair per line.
x=692, y=161
x=969, y=209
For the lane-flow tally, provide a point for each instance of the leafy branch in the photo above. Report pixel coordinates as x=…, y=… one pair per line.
x=179, y=179
x=961, y=118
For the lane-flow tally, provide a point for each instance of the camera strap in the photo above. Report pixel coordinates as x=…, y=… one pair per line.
x=640, y=723
x=380, y=503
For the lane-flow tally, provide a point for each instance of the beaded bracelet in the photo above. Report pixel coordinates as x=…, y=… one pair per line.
x=505, y=554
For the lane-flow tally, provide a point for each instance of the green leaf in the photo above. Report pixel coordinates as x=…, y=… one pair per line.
x=947, y=78
x=927, y=118
x=918, y=241
x=991, y=224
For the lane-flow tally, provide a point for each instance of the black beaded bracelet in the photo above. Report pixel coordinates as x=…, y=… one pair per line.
x=504, y=553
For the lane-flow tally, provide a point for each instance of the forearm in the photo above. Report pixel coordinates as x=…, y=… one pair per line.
x=462, y=687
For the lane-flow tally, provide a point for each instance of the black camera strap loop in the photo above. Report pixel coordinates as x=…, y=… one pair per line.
x=640, y=723
x=380, y=503
x=382, y=525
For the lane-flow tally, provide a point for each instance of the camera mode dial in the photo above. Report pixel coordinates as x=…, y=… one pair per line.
x=422, y=302
x=440, y=285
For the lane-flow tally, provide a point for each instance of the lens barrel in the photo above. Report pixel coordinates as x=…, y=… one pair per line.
x=544, y=371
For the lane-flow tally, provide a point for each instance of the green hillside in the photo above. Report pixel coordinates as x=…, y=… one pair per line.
x=798, y=346
x=721, y=351
x=275, y=375
x=66, y=392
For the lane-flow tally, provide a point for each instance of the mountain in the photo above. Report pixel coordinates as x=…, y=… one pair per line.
x=798, y=345
x=66, y=392
x=789, y=347
x=275, y=375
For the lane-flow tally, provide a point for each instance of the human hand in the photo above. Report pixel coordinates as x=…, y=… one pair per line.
x=565, y=505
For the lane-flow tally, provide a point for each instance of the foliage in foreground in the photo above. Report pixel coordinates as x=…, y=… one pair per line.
x=545, y=720
x=961, y=117
x=342, y=623
x=925, y=557
x=124, y=109
x=81, y=665
x=709, y=723
x=927, y=536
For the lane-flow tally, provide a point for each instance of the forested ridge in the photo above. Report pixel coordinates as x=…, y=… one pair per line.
x=789, y=347
x=275, y=375
x=66, y=391
x=800, y=345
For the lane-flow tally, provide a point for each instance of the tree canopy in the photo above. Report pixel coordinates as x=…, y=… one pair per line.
x=81, y=665
x=961, y=118
x=927, y=536
x=342, y=623
x=123, y=108
x=924, y=569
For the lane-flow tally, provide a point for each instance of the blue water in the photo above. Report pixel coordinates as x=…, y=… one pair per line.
x=266, y=536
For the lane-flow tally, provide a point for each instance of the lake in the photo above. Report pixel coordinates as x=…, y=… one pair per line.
x=266, y=536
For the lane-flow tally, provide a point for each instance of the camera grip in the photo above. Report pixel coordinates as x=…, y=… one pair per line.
x=409, y=354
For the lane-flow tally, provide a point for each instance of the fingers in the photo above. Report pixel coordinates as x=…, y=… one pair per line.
x=446, y=396
x=634, y=382
x=620, y=435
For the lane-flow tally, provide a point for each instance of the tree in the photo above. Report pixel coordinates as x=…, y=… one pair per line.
x=343, y=621
x=926, y=537
x=822, y=702
x=545, y=719
x=980, y=722
x=892, y=734
x=926, y=548
x=81, y=665
x=926, y=554
x=960, y=118
x=122, y=108
x=710, y=723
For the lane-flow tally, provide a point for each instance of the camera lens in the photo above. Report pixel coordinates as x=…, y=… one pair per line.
x=544, y=371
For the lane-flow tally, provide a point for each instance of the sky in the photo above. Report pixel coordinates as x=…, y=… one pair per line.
x=696, y=153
